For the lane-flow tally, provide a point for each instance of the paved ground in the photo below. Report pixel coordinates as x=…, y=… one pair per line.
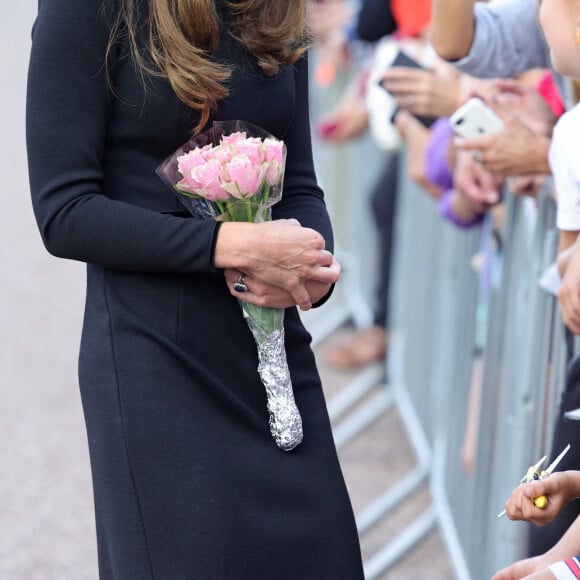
x=46, y=521
x=374, y=461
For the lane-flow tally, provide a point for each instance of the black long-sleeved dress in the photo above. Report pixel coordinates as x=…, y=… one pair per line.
x=188, y=483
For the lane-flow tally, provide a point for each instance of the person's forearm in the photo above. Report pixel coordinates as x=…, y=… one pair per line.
x=452, y=28
x=574, y=487
x=568, y=546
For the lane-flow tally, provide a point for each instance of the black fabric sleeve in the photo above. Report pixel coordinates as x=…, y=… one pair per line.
x=68, y=111
x=375, y=20
x=302, y=197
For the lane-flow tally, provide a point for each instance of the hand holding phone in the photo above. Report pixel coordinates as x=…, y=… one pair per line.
x=474, y=118
x=403, y=60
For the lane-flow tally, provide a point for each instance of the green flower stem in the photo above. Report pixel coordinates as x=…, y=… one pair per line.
x=268, y=319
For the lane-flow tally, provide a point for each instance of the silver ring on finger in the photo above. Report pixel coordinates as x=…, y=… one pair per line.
x=478, y=156
x=240, y=284
x=410, y=100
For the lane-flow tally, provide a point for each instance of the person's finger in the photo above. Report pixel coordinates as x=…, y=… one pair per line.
x=538, y=488
x=505, y=113
x=495, y=166
x=566, y=318
x=466, y=183
x=516, y=571
x=528, y=508
x=326, y=258
x=402, y=86
x=513, y=506
x=403, y=73
x=471, y=190
x=327, y=271
x=573, y=324
x=302, y=298
x=328, y=274
x=408, y=101
x=574, y=312
x=419, y=87
x=241, y=285
x=467, y=144
x=402, y=121
x=335, y=268
x=509, y=86
x=487, y=185
x=504, y=574
x=570, y=315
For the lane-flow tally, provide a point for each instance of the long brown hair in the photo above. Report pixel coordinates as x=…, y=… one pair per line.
x=183, y=35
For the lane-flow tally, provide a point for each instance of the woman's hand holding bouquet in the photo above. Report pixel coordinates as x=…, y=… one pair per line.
x=291, y=268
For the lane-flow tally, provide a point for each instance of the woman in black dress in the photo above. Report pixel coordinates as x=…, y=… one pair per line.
x=188, y=482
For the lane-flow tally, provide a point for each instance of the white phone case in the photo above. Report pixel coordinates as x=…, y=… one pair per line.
x=474, y=118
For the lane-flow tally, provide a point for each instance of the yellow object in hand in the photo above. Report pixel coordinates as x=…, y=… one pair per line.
x=534, y=475
x=541, y=502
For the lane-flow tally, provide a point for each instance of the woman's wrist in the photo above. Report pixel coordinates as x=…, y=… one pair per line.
x=232, y=238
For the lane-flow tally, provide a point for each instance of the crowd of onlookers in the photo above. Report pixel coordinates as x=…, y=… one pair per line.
x=421, y=61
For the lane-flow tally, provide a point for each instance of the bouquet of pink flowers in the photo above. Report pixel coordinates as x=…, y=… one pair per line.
x=234, y=172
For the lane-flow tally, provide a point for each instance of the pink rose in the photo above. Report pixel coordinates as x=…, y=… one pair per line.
x=204, y=180
x=274, y=172
x=234, y=138
x=245, y=178
x=253, y=148
x=274, y=150
x=188, y=162
x=222, y=153
x=274, y=156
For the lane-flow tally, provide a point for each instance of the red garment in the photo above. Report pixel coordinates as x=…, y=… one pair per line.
x=549, y=91
x=411, y=16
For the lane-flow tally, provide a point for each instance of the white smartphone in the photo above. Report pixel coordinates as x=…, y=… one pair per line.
x=474, y=118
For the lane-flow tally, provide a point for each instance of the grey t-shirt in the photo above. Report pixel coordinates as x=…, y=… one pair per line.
x=508, y=41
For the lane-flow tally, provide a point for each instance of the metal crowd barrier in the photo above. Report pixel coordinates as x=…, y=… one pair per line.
x=476, y=359
x=346, y=173
x=517, y=368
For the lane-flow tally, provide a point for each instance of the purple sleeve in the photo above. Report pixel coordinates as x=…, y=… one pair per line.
x=445, y=208
x=436, y=163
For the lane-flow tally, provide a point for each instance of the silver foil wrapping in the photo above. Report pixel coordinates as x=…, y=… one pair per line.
x=285, y=420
